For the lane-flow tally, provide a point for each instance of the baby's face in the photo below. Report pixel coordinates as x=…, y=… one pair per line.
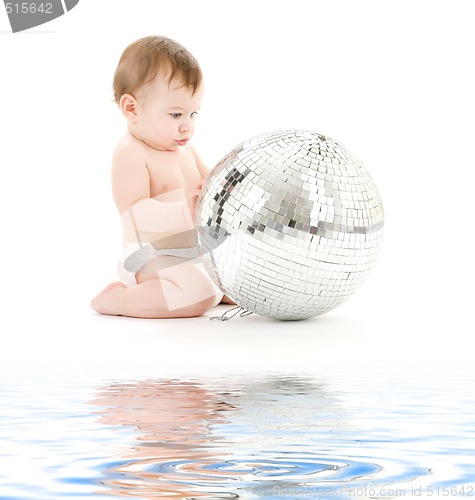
x=166, y=115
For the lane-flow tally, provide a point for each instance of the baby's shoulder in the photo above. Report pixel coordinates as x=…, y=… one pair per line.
x=128, y=156
x=129, y=146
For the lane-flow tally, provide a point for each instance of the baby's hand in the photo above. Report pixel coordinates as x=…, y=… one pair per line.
x=194, y=199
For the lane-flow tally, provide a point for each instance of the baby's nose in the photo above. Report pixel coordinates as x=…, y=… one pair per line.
x=184, y=125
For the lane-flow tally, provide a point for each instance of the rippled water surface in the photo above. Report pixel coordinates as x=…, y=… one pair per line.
x=361, y=435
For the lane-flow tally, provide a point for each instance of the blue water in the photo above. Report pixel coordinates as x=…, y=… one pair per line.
x=382, y=434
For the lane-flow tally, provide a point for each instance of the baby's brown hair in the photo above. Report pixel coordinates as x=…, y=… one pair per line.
x=143, y=59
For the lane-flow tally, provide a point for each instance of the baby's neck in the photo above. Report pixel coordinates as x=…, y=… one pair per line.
x=134, y=135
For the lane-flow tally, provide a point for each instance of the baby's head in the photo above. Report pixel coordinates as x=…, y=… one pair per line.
x=153, y=56
x=158, y=78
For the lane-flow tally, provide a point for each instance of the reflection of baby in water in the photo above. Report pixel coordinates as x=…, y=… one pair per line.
x=188, y=431
x=174, y=420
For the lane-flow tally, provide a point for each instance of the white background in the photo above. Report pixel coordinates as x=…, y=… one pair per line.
x=392, y=81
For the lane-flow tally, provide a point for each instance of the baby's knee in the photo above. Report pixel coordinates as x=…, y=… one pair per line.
x=200, y=308
x=196, y=297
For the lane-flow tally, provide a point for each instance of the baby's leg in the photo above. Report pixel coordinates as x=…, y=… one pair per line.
x=167, y=288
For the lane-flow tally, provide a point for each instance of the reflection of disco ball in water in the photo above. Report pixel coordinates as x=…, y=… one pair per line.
x=289, y=224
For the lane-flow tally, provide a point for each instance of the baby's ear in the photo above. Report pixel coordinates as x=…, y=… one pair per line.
x=128, y=106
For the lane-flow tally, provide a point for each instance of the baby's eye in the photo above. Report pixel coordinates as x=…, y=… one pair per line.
x=195, y=113
x=175, y=115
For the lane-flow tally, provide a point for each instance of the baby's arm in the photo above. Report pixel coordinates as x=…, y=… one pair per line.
x=204, y=172
x=131, y=192
x=202, y=168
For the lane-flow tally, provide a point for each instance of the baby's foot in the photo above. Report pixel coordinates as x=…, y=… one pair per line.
x=107, y=301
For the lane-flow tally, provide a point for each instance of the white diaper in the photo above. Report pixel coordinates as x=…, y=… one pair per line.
x=136, y=255
x=128, y=276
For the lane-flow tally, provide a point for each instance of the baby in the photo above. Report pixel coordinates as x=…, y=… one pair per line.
x=156, y=178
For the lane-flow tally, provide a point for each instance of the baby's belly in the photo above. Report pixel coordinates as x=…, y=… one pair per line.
x=182, y=239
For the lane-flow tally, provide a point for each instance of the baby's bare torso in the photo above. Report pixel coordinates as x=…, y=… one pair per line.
x=171, y=171
x=172, y=176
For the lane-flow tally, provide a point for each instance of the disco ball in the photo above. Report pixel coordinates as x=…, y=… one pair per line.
x=289, y=224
